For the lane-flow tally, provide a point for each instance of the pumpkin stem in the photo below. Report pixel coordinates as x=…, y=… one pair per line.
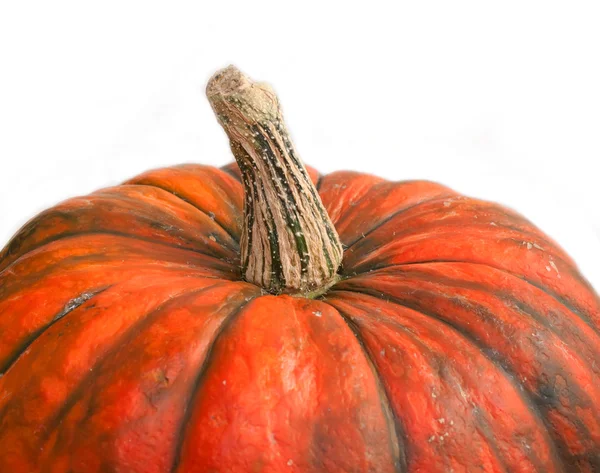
x=288, y=242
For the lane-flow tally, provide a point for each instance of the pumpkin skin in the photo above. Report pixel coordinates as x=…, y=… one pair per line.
x=460, y=338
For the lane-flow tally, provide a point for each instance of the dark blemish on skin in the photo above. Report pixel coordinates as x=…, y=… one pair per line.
x=163, y=226
x=70, y=306
x=76, y=302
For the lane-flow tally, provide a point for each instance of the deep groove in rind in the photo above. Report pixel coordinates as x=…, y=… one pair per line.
x=545, y=290
x=390, y=217
x=522, y=306
x=184, y=199
x=118, y=234
x=491, y=441
x=401, y=465
x=507, y=373
x=126, y=337
x=423, y=230
x=556, y=252
x=227, y=169
x=67, y=309
x=319, y=182
x=516, y=217
x=182, y=430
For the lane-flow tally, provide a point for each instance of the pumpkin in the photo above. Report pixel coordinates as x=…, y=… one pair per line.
x=265, y=318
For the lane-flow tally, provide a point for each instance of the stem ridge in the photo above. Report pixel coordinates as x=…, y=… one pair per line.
x=288, y=242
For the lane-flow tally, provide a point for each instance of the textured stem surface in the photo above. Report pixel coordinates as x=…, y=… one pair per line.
x=288, y=241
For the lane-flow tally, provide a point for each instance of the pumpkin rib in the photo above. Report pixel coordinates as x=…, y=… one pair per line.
x=196, y=385
x=410, y=224
x=316, y=403
x=560, y=354
x=213, y=196
x=234, y=237
x=129, y=335
x=228, y=168
x=498, y=250
x=398, y=429
x=386, y=183
x=483, y=428
x=34, y=395
x=121, y=192
x=105, y=211
x=361, y=259
x=24, y=334
x=82, y=263
x=560, y=446
x=339, y=190
x=469, y=340
x=588, y=321
x=587, y=342
x=106, y=252
x=69, y=307
x=133, y=398
x=561, y=376
x=111, y=233
x=348, y=247
x=40, y=284
x=425, y=350
x=386, y=198
x=510, y=295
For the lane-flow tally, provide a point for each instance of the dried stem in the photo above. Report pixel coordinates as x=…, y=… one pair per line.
x=288, y=241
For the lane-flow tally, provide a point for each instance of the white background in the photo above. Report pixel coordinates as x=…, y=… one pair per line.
x=499, y=100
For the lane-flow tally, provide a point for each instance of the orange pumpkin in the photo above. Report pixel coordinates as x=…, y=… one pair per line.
x=171, y=325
